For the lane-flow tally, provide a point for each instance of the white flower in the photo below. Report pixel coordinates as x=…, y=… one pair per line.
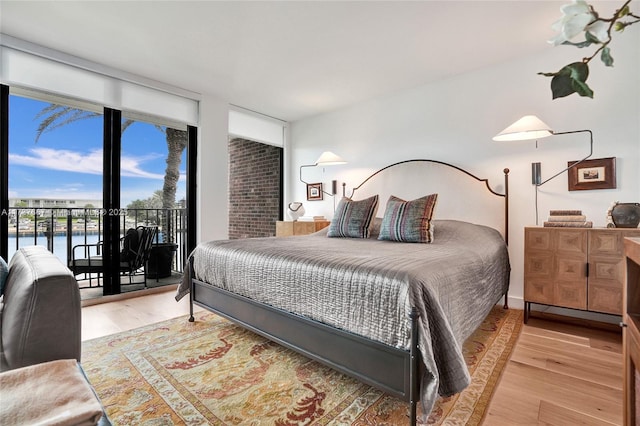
x=599, y=30
x=576, y=17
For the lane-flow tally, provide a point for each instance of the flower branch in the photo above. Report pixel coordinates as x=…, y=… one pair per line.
x=579, y=18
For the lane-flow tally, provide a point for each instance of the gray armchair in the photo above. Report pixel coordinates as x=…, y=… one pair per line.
x=40, y=311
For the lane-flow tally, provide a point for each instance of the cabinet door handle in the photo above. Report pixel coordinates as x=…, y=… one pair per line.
x=623, y=325
x=587, y=270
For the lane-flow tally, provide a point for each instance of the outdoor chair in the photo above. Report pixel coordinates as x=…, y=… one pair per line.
x=135, y=248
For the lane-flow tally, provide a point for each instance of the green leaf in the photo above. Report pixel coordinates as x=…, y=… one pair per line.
x=582, y=89
x=571, y=79
x=591, y=38
x=561, y=86
x=579, y=73
x=578, y=70
x=581, y=44
x=606, y=57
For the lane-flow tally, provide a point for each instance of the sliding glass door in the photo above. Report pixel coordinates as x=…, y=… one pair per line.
x=153, y=188
x=79, y=174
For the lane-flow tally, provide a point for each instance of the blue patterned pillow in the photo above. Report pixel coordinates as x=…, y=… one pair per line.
x=352, y=218
x=4, y=272
x=408, y=221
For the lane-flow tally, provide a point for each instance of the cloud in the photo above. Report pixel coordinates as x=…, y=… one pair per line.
x=72, y=161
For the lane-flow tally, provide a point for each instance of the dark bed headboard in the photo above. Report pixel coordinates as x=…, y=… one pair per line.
x=461, y=194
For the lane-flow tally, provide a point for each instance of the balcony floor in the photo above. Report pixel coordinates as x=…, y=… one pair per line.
x=94, y=293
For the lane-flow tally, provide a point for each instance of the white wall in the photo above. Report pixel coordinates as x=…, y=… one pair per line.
x=454, y=121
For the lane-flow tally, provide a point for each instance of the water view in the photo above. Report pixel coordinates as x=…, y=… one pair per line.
x=59, y=244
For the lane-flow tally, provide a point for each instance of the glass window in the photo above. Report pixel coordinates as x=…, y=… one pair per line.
x=153, y=175
x=55, y=158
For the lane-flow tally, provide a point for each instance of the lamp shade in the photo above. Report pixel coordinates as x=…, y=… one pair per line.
x=528, y=127
x=328, y=158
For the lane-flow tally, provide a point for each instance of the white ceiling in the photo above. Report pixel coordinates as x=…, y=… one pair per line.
x=289, y=60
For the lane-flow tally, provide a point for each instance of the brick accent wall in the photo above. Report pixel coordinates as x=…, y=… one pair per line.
x=254, y=188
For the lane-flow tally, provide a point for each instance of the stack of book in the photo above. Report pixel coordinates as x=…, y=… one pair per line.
x=311, y=218
x=568, y=219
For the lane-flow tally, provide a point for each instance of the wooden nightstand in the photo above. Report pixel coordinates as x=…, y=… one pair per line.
x=578, y=268
x=288, y=228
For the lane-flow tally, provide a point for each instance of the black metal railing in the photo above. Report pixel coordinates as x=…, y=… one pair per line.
x=60, y=229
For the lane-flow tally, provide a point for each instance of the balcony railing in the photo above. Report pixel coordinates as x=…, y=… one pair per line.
x=60, y=229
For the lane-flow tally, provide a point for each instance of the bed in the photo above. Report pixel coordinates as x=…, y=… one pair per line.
x=391, y=314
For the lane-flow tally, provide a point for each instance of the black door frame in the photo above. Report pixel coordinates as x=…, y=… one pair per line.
x=4, y=172
x=112, y=148
x=192, y=189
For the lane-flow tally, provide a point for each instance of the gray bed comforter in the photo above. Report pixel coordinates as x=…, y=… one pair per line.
x=368, y=287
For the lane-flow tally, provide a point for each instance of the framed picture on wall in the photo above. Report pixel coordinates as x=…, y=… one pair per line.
x=314, y=191
x=599, y=173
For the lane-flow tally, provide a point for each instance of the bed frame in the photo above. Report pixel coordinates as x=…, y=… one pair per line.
x=394, y=371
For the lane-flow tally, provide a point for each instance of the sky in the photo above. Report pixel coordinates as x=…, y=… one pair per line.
x=66, y=162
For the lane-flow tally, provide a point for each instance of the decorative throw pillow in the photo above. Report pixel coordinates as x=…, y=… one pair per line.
x=374, y=228
x=352, y=218
x=4, y=272
x=408, y=221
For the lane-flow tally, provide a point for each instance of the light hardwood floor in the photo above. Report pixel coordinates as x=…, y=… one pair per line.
x=559, y=374
x=131, y=312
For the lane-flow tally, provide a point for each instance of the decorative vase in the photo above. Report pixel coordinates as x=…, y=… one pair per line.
x=626, y=215
x=295, y=210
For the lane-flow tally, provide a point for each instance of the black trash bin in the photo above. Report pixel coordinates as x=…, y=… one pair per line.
x=160, y=260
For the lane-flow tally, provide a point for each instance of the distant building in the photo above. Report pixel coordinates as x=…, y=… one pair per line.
x=53, y=203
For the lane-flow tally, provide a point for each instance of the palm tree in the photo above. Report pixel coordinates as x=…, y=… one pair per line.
x=54, y=116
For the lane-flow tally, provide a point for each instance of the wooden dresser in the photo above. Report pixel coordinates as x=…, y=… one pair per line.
x=631, y=332
x=289, y=228
x=578, y=268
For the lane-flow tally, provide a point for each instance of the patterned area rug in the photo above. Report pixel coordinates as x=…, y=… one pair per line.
x=213, y=372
